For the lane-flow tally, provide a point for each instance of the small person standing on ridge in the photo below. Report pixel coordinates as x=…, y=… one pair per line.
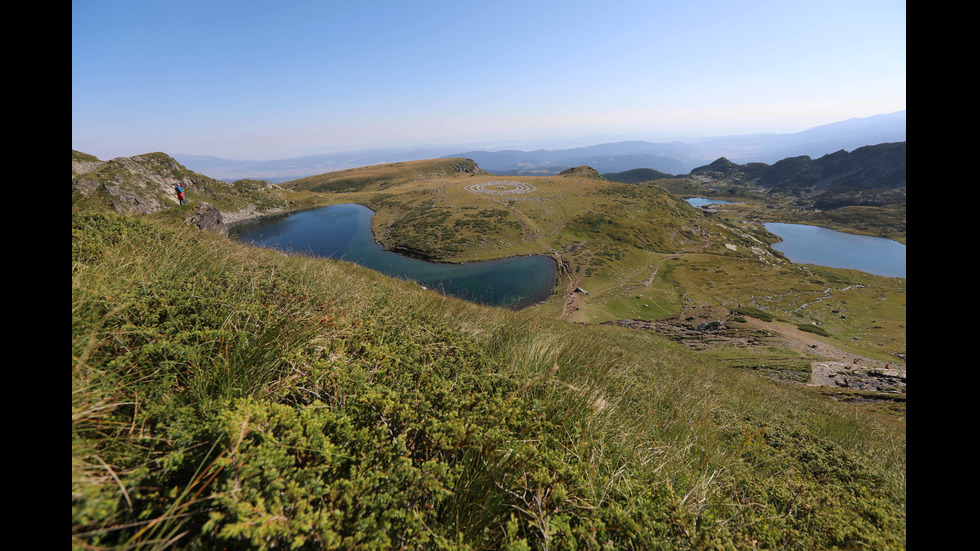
x=180, y=195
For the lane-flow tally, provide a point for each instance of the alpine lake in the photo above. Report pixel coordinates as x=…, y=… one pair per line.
x=343, y=232
x=804, y=244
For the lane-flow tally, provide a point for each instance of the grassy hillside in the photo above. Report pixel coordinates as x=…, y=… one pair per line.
x=379, y=177
x=467, y=215
x=231, y=397
x=637, y=251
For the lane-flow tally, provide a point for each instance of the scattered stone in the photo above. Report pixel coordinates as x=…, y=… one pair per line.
x=843, y=375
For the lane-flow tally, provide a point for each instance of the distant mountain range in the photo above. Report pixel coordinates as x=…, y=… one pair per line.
x=680, y=157
x=675, y=157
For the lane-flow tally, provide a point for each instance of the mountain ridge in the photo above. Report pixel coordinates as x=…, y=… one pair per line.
x=676, y=156
x=873, y=175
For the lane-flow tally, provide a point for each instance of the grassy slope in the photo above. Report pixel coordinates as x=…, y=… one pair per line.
x=224, y=396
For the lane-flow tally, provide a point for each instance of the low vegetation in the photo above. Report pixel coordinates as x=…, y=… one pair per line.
x=231, y=397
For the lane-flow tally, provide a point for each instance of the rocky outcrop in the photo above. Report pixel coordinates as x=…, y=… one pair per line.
x=139, y=184
x=146, y=184
x=881, y=167
x=83, y=164
x=207, y=217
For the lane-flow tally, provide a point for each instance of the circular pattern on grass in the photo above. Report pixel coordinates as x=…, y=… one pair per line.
x=500, y=187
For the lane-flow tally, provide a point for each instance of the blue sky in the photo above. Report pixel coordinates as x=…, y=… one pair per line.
x=268, y=80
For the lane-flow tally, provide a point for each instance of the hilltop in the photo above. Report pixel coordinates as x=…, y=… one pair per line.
x=266, y=400
x=626, y=251
x=582, y=172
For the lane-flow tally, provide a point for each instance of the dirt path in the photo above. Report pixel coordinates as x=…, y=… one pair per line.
x=572, y=299
x=571, y=304
x=660, y=264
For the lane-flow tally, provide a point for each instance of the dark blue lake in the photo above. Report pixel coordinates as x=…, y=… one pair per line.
x=344, y=232
x=814, y=245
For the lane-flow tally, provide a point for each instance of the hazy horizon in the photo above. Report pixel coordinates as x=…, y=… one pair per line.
x=257, y=81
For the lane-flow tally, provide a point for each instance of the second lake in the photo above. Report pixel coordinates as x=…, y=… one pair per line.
x=814, y=245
